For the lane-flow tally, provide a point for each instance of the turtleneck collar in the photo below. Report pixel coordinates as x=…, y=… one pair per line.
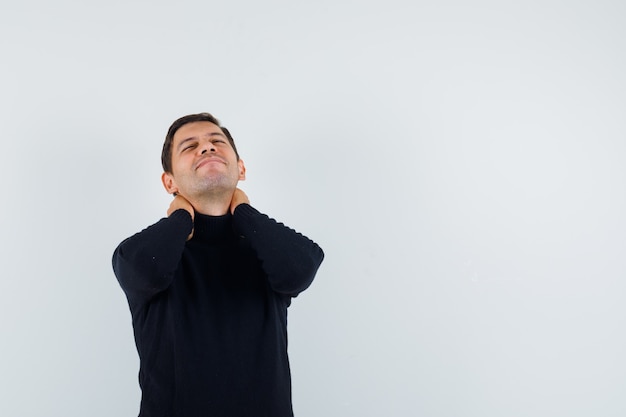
x=212, y=228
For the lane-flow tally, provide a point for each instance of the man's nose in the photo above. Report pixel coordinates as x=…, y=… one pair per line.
x=207, y=147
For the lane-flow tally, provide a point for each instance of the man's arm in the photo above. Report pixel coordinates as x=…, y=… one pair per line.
x=145, y=263
x=289, y=259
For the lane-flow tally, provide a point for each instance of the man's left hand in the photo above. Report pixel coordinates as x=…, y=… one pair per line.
x=239, y=197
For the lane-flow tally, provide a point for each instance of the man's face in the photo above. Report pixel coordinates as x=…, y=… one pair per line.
x=203, y=160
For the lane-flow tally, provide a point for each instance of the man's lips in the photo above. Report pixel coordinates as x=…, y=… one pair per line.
x=208, y=160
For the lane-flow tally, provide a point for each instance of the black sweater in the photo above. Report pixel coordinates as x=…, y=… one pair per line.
x=210, y=314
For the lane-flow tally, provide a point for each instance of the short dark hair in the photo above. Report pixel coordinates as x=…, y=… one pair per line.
x=166, y=154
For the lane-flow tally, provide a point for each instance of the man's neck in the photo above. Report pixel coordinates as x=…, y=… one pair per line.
x=213, y=204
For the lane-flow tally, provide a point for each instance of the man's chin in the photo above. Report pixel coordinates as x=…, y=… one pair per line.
x=215, y=185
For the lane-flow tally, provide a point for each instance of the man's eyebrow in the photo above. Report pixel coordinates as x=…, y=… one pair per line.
x=216, y=134
x=195, y=137
x=185, y=141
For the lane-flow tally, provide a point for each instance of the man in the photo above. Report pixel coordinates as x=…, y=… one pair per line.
x=209, y=286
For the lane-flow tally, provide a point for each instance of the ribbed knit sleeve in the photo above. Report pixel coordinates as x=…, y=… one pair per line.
x=145, y=263
x=289, y=259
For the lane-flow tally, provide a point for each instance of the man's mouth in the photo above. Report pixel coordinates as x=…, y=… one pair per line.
x=209, y=160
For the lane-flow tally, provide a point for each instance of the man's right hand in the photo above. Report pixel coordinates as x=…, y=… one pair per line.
x=181, y=202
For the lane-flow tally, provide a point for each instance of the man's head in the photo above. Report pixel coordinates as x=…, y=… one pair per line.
x=166, y=154
x=200, y=158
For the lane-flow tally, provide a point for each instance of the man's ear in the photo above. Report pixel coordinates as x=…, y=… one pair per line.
x=169, y=183
x=242, y=170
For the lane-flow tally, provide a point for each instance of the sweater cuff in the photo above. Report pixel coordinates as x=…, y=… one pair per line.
x=243, y=217
x=245, y=210
x=182, y=217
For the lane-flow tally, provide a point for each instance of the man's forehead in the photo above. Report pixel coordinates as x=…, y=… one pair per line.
x=193, y=129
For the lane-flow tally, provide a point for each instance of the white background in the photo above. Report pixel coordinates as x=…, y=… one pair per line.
x=461, y=163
